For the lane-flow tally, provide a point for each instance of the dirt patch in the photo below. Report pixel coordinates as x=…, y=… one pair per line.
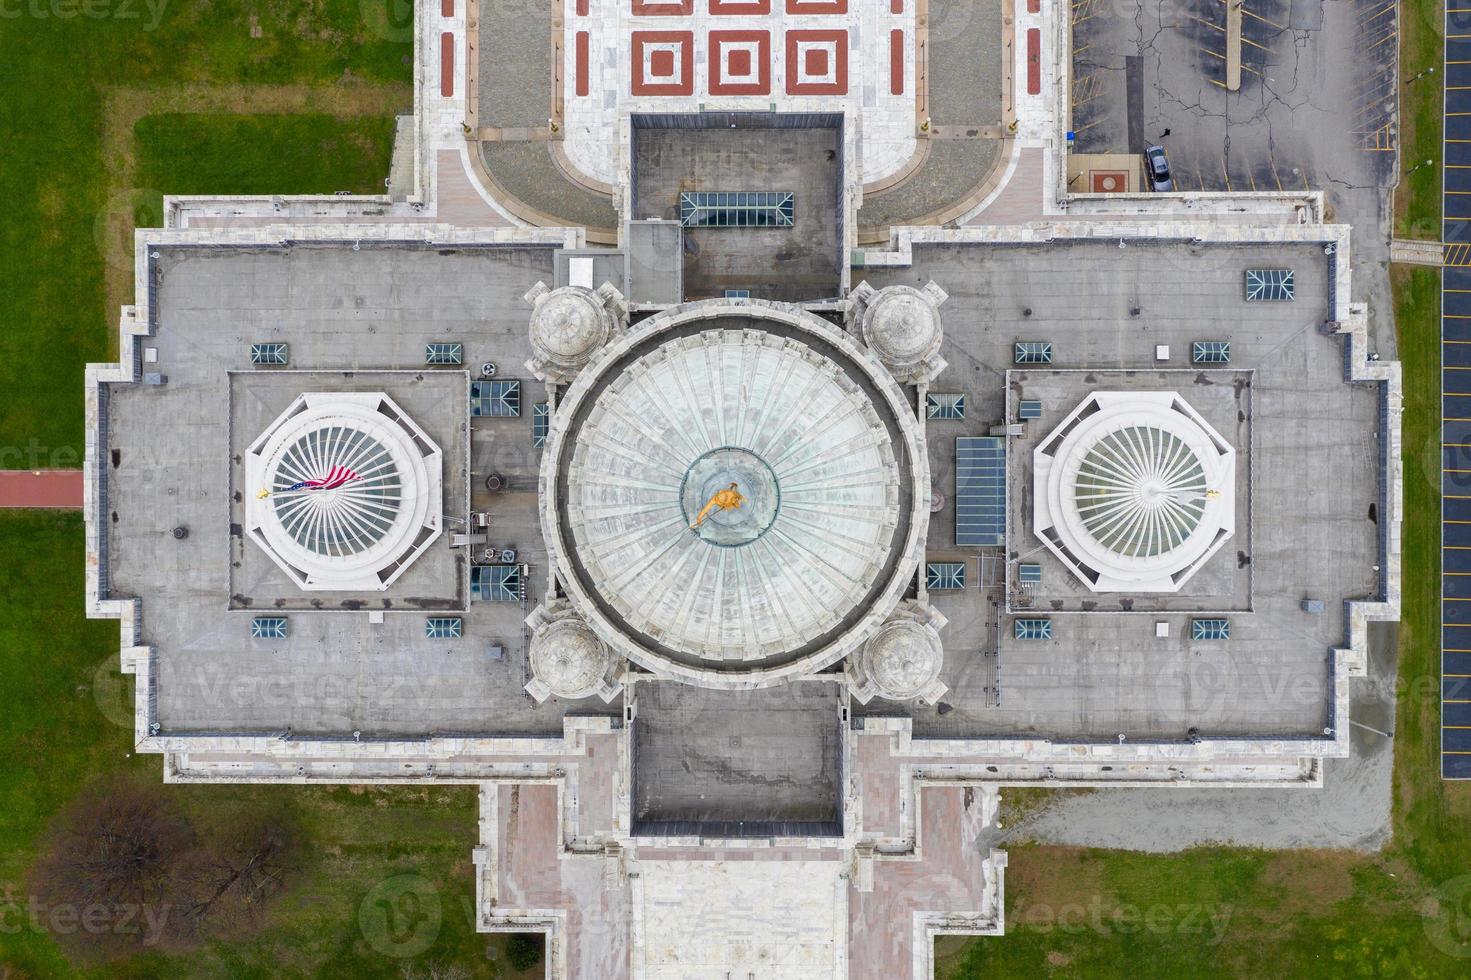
x=1309, y=881
x=1055, y=877
x=1457, y=799
x=1020, y=803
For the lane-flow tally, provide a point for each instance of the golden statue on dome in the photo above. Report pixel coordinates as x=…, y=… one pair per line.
x=728, y=499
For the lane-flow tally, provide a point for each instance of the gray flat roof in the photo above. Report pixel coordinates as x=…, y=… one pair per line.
x=350, y=314
x=1314, y=455
x=769, y=756
x=1314, y=458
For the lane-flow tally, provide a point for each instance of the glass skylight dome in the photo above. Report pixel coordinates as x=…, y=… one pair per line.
x=344, y=491
x=1134, y=491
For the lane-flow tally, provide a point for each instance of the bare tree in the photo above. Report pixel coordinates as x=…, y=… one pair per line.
x=434, y=971
x=111, y=877
x=236, y=871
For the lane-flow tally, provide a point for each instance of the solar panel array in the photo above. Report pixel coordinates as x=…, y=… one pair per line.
x=1030, y=408
x=1210, y=629
x=541, y=423
x=268, y=353
x=1029, y=573
x=496, y=583
x=1032, y=629
x=1269, y=285
x=738, y=209
x=947, y=408
x=444, y=353
x=1210, y=352
x=1455, y=429
x=980, y=491
x=444, y=628
x=268, y=628
x=1034, y=352
x=495, y=399
x=944, y=576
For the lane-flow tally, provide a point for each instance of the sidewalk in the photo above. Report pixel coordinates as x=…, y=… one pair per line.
x=57, y=489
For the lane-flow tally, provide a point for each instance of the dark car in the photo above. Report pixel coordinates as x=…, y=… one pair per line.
x=1157, y=165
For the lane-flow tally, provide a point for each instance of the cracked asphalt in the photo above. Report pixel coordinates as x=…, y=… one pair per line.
x=1315, y=110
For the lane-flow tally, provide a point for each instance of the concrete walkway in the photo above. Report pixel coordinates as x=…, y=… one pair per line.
x=53, y=489
x=1415, y=252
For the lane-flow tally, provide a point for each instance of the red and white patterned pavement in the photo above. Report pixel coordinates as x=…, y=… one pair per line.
x=854, y=56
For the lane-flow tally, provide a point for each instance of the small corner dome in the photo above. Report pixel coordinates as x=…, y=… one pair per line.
x=568, y=325
x=903, y=659
x=902, y=325
x=569, y=659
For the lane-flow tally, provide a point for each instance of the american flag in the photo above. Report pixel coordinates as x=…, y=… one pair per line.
x=336, y=477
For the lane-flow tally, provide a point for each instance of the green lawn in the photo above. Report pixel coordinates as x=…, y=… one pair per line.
x=196, y=153
x=63, y=724
x=59, y=75
x=1417, y=214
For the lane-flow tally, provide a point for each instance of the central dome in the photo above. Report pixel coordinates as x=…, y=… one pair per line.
x=737, y=495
